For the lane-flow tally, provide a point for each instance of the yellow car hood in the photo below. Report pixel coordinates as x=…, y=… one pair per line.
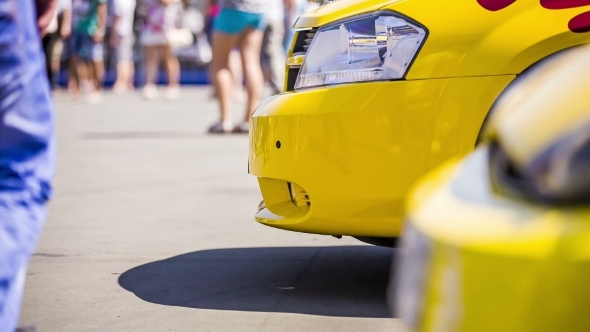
x=469, y=38
x=339, y=10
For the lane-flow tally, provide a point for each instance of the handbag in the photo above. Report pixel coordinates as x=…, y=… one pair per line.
x=180, y=37
x=198, y=53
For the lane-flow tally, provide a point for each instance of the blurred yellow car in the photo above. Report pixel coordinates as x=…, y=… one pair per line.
x=381, y=91
x=500, y=241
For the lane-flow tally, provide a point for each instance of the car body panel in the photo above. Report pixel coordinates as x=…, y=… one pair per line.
x=357, y=148
x=465, y=39
x=518, y=131
x=338, y=10
x=512, y=264
x=492, y=259
x=348, y=137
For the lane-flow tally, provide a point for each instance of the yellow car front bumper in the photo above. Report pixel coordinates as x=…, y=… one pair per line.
x=477, y=261
x=352, y=151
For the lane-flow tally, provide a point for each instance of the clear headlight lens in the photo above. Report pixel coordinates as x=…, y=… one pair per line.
x=411, y=270
x=378, y=47
x=559, y=175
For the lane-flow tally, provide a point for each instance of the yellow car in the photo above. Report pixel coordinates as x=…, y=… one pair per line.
x=381, y=91
x=500, y=241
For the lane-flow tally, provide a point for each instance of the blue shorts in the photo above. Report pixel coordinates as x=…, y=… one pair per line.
x=234, y=22
x=84, y=47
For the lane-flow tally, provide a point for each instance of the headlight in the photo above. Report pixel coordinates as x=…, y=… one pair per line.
x=563, y=171
x=411, y=270
x=369, y=48
x=559, y=174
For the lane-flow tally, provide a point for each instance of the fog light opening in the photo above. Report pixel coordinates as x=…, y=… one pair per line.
x=261, y=206
x=298, y=196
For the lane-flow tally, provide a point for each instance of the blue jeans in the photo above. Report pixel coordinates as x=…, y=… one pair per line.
x=84, y=47
x=26, y=150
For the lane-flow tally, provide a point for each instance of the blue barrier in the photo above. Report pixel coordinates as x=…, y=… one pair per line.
x=187, y=77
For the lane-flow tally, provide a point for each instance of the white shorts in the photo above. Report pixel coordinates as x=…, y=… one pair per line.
x=125, y=48
x=149, y=38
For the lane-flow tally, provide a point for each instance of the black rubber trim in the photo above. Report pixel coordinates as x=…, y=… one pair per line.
x=387, y=242
x=292, y=74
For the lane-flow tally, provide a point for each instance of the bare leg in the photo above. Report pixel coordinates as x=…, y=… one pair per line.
x=124, y=77
x=82, y=73
x=131, y=75
x=172, y=66
x=173, y=69
x=73, y=78
x=125, y=67
x=237, y=72
x=98, y=75
x=91, y=82
x=55, y=65
x=222, y=77
x=250, y=50
x=95, y=73
x=151, y=58
x=151, y=67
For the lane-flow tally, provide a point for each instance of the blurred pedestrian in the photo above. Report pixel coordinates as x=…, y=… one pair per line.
x=160, y=18
x=122, y=39
x=296, y=9
x=86, y=45
x=26, y=145
x=60, y=28
x=198, y=52
x=240, y=24
x=273, y=52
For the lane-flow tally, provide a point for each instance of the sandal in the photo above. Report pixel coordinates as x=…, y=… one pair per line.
x=218, y=128
x=243, y=128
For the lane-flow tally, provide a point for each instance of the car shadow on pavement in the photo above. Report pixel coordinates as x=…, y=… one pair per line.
x=345, y=281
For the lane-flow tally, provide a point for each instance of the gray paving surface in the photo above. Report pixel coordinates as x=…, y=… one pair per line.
x=151, y=229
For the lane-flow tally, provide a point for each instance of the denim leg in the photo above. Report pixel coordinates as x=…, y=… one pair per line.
x=26, y=150
x=21, y=221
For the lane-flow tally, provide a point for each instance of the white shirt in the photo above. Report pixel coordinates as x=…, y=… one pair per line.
x=274, y=11
x=125, y=9
x=61, y=6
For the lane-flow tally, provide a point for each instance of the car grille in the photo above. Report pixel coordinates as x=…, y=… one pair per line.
x=302, y=42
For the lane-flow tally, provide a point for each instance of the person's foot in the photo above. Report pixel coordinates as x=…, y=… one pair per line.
x=26, y=329
x=172, y=92
x=150, y=92
x=85, y=87
x=94, y=97
x=242, y=128
x=120, y=89
x=219, y=128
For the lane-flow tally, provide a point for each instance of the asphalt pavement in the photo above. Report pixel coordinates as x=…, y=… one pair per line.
x=151, y=229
